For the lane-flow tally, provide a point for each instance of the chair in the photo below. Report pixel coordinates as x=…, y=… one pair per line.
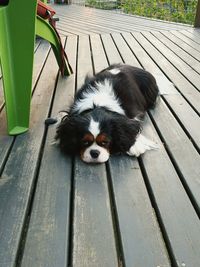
x=18, y=26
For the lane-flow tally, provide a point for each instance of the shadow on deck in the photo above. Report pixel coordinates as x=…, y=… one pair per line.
x=58, y=211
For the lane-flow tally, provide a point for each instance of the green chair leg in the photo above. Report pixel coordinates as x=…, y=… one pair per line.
x=47, y=32
x=17, y=30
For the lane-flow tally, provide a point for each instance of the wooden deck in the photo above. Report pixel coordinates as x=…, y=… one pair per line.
x=57, y=211
x=80, y=20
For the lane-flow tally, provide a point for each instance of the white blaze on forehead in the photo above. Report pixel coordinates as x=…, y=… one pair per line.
x=94, y=128
x=114, y=71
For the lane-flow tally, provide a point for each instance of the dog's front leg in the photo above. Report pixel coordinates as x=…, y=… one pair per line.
x=141, y=145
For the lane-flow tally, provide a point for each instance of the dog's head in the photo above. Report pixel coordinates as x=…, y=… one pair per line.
x=96, y=134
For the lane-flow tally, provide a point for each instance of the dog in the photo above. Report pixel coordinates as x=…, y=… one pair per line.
x=107, y=113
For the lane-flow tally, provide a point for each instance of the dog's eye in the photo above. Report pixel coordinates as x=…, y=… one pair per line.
x=85, y=143
x=103, y=143
x=87, y=140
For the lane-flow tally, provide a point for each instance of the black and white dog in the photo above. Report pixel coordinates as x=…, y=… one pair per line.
x=107, y=114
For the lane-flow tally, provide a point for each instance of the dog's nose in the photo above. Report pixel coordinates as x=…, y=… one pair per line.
x=94, y=153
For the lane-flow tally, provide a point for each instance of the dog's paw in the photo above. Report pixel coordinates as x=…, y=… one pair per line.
x=141, y=145
x=55, y=120
x=50, y=121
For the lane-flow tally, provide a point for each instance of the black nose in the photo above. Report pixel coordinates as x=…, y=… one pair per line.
x=94, y=153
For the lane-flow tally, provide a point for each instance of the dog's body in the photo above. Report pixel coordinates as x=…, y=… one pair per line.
x=106, y=115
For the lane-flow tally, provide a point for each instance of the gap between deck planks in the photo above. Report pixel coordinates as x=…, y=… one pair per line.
x=104, y=215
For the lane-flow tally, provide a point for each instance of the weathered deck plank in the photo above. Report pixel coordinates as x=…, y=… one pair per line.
x=138, y=224
x=174, y=137
x=172, y=205
x=184, y=68
x=167, y=172
x=79, y=19
x=41, y=52
x=47, y=241
x=125, y=175
x=18, y=177
x=186, y=39
x=185, y=47
x=182, y=84
x=186, y=115
x=57, y=211
x=93, y=240
x=179, y=52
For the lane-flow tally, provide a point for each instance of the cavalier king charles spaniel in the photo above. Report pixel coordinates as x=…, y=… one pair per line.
x=106, y=115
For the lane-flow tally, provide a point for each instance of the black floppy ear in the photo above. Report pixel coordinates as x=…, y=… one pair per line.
x=67, y=135
x=124, y=133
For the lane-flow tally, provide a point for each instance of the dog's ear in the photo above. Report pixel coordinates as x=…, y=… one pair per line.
x=67, y=135
x=124, y=133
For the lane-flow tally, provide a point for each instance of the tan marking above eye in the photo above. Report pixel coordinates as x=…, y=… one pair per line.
x=102, y=140
x=87, y=139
